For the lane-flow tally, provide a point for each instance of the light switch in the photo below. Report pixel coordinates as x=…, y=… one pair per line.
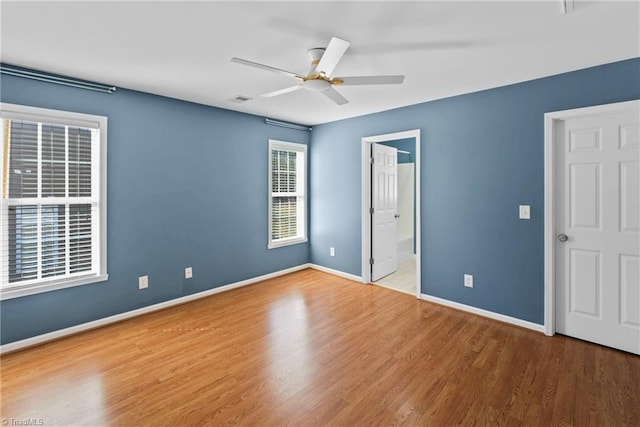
x=525, y=212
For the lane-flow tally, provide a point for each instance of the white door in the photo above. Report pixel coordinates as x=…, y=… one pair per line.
x=384, y=201
x=597, y=190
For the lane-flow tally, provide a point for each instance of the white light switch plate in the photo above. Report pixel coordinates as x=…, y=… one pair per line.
x=188, y=273
x=525, y=212
x=332, y=251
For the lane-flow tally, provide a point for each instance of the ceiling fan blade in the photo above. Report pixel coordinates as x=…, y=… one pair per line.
x=335, y=96
x=281, y=91
x=369, y=80
x=332, y=55
x=265, y=67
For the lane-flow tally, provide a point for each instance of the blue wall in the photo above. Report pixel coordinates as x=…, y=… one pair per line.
x=482, y=156
x=186, y=186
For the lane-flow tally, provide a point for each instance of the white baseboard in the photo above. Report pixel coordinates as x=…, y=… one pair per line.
x=39, y=339
x=336, y=272
x=484, y=313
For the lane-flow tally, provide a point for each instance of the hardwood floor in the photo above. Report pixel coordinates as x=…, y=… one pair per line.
x=314, y=349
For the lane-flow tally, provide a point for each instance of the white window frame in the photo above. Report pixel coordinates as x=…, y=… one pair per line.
x=99, y=186
x=301, y=194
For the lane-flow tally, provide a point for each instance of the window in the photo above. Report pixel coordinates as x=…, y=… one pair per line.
x=53, y=206
x=287, y=200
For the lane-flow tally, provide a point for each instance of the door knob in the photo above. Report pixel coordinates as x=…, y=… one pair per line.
x=563, y=237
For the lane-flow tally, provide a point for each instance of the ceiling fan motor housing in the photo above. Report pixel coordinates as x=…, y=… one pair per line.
x=316, y=82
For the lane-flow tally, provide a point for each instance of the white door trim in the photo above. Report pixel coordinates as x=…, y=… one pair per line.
x=366, y=201
x=550, y=121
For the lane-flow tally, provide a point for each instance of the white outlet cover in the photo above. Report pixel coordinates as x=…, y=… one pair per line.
x=468, y=280
x=188, y=273
x=143, y=282
x=525, y=212
x=332, y=251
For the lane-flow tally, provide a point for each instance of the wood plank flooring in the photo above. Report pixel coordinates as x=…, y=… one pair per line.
x=314, y=349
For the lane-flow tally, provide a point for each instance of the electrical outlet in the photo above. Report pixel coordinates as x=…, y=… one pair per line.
x=188, y=273
x=143, y=282
x=332, y=251
x=468, y=280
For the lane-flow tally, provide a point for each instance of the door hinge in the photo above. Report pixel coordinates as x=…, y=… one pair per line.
x=371, y=160
x=371, y=261
x=371, y=210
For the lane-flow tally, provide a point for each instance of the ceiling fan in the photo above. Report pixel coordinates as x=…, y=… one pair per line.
x=318, y=78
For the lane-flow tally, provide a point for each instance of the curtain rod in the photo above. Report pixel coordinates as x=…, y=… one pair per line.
x=50, y=78
x=287, y=125
x=406, y=152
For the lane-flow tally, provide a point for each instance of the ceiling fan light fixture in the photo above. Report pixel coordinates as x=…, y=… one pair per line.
x=317, y=85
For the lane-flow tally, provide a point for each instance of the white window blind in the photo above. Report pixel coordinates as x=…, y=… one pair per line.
x=287, y=204
x=52, y=213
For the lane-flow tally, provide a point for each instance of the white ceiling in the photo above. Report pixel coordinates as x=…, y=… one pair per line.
x=183, y=49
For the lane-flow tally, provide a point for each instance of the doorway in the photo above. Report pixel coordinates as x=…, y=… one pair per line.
x=592, y=224
x=407, y=240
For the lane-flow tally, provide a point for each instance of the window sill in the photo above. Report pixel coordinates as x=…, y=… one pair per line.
x=17, y=292
x=288, y=242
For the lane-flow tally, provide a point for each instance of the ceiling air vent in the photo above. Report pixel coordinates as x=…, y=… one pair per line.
x=240, y=98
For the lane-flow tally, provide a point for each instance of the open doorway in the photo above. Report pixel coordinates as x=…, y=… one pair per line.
x=391, y=228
